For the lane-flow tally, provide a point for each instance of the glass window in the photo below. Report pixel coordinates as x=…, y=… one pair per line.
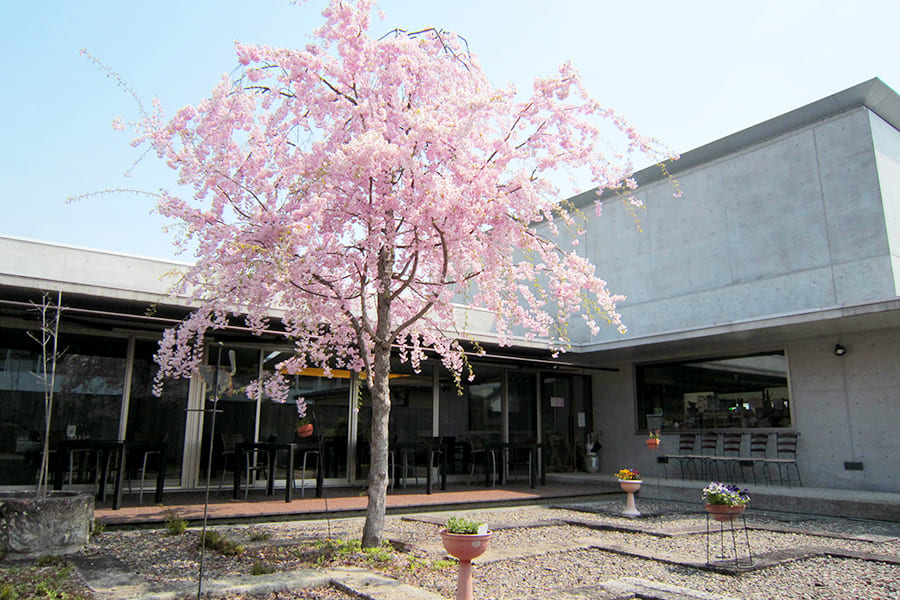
x=412, y=409
x=327, y=401
x=237, y=412
x=152, y=418
x=485, y=400
x=720, y=393
x=522, y=406
x=90, y=376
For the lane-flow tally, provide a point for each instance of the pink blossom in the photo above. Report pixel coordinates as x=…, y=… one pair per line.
x=360, y=186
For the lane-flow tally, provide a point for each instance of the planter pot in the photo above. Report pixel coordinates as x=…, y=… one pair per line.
x=465, y=547
x=304, y=431
x=723, y=513
x=630, y=487
x=652, y=443
x=55, y=524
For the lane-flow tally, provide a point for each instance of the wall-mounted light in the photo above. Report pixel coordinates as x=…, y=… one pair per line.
x=839, y=350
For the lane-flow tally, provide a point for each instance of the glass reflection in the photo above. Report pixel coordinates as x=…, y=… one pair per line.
x=90, y=378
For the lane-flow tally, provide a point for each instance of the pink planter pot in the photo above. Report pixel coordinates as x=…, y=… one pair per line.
x=630, y=487
x=723, y=513
x=465, y=547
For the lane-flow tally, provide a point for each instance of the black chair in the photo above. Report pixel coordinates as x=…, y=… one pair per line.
x=479, y=454
x=759, y=451
x=153, y=456
x=257, y=463
x=786, y=451
x=731, y=455
x=686, y=456
x=228, y=443
x=309, y=449
x=515, y=457
x=709, y=448
x=427, y=453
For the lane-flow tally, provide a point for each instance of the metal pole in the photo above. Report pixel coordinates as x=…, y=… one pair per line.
x=212, y=431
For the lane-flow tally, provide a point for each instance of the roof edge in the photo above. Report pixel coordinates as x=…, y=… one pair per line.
x=873, y=94
x=26, y=240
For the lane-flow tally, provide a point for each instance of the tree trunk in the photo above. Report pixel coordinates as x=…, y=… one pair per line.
x=379, y=388
x=378, y=440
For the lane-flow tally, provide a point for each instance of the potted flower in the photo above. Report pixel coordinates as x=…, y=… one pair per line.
x=630, y=482
x=304, y=424
x=653, y=440
x=304, y=427
x=464, y=540
x=628, y=475
x=724, y=502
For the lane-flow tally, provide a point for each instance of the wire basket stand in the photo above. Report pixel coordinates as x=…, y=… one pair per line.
x=738, y=557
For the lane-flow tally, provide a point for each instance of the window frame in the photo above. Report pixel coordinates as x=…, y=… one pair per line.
x=776, y=416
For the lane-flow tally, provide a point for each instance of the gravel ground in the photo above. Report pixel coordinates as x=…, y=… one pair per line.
x=526, y=562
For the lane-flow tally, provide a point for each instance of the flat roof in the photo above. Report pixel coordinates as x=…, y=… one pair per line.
x=873, y=94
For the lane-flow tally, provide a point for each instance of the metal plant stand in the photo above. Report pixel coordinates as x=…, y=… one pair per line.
x=739, y=559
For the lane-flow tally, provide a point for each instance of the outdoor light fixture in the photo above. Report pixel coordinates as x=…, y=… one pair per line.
x=839, y=350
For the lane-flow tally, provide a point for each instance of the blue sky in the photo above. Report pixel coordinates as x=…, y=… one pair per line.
x=686, y=73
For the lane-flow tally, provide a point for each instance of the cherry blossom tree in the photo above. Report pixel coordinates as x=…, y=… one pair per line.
x=364, y=186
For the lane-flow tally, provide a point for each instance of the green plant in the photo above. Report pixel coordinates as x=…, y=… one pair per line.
x=221, y=544
x=45, y=590
x=175, y=525
x=378, y=555
x=462, y=525
x=97, y=528
x=347, y=551
x=257, y=535
x=54, y=561
x=330, y=549
x=261, y=567
x=654, y=435
x=442, y=563
x=414, y=564
x=54, y=578
x=8, y=592
x=725, y=495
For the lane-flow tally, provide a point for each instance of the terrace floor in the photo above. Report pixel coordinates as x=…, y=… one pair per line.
x=351, y=501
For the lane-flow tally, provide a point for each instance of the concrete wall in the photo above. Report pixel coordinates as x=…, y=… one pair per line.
x=42, y=265
x=845, y=408
x=789, y=225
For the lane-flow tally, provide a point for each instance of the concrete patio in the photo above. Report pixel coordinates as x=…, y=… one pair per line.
x=351, y=501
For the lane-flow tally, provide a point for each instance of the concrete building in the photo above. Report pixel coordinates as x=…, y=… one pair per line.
x=784, y=246
x=785, y=243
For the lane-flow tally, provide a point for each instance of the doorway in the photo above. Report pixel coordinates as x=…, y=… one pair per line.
x=566, y=416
